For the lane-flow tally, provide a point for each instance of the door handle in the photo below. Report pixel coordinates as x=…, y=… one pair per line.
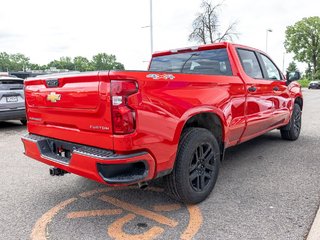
x=276, y=88
x=252, y=89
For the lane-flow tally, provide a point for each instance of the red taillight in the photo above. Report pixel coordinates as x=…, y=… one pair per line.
x=124, y=117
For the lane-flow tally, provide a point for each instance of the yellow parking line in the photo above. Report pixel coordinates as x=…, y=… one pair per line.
x=140, y=211
x=166, y=208
x=116, y=232
x=39, y=230
x=92, y=192
x=108, y=189
x=194, y=222
x=94, y=213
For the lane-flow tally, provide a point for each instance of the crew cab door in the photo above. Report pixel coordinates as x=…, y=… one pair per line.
x=281, y=96
x=260, y=104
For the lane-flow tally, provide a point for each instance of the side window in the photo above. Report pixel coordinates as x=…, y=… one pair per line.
x=250, y=63
x=272, y=70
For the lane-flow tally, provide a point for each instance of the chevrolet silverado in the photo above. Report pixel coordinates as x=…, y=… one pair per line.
x=174, y=121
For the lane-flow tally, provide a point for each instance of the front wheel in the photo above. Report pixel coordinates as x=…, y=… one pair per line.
x=196, y=167
x=292, y=130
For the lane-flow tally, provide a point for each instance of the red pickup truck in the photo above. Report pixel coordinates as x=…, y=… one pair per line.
x=174, y=121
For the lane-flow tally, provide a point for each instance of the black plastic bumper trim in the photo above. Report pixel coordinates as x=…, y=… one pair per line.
x=45, y=148
x=126, y=173
x=164, y=173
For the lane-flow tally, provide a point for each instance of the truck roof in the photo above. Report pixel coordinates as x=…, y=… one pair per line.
x=200, y=48
x=62, y=74
x=9, y=77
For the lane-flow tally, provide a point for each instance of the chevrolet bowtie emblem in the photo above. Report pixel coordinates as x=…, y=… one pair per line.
x=53, y=97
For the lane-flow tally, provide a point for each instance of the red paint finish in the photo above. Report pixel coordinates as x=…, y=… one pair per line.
x=160, y=109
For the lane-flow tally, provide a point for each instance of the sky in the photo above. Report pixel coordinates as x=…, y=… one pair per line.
x=45, y=30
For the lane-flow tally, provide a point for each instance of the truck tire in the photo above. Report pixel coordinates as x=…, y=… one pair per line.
x=196, y=168
x=292, y=130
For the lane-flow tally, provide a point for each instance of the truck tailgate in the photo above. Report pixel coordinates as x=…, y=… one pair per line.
x=73, y=108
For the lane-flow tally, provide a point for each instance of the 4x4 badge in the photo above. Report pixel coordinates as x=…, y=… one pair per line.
x=53, y=97
x=161, y=76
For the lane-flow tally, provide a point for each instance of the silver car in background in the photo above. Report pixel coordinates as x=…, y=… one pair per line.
x=12, y=103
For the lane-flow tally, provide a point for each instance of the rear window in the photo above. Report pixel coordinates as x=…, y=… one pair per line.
x=10, y=84
x=212, y=62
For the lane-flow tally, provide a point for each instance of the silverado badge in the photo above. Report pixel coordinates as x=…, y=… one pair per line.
x=161, y=76
x=53, y=97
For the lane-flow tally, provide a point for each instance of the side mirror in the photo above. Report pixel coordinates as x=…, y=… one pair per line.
x=293, y=76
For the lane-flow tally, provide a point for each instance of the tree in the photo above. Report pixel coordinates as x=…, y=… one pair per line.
x=19, y=62
x=82, y=64
x=5, y=63
x=308, y=72
x=13, y=62
x=206, y=25
x=34, y=66
x=292, y=67
x=62, y=63
x=303, y=39
x=103, y=61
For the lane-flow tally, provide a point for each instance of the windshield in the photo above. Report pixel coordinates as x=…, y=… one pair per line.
x=212, y=62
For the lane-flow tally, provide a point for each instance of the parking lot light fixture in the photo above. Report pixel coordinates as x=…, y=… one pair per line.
x=267, y=31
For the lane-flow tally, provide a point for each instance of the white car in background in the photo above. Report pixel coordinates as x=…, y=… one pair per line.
x=12, y=103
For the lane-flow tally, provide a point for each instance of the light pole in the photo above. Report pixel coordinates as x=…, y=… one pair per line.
x=267, y=31
x=151, y=27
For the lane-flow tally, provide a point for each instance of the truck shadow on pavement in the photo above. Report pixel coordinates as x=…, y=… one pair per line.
x=261, y=145
x=11, y=125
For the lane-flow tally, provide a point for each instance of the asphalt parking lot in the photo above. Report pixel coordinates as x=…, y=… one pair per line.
x=267, y=189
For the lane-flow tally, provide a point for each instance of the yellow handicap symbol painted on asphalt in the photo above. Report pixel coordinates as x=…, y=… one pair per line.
x=116, y=230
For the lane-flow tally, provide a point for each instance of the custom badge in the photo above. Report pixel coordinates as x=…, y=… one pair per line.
x=53, y=97
x=161, y=76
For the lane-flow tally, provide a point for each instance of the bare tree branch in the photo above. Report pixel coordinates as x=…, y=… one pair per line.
x=229, y=34
x=206, y=25
x=198, y=33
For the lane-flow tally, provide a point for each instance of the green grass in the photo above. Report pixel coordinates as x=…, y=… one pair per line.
x=304, y=83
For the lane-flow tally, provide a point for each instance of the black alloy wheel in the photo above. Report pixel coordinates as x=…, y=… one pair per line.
x=201, y=167
x=292, y=130
x=297, y=122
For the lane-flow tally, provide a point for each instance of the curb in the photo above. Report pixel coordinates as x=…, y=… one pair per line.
x=314, y=233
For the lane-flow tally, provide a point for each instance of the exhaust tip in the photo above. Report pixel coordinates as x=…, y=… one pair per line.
x=57, y=172
x=143, y=185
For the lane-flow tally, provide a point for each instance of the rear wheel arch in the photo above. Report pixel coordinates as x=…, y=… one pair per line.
x=191, y=119
x=210, y=121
